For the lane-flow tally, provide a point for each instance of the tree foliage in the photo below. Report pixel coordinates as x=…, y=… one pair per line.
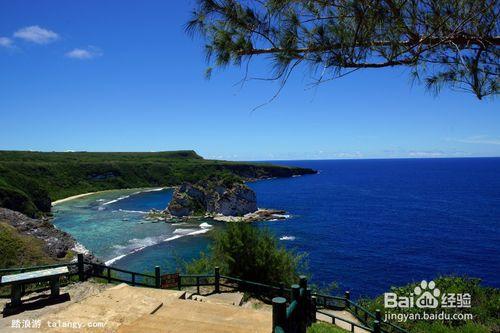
x=451, y=43
x=247, y=252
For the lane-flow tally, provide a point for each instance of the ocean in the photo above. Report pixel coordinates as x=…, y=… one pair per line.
x=366, y=225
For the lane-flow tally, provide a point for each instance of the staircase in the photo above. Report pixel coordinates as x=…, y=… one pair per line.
x=127, y=309
x=194, y=316
x=115, y=306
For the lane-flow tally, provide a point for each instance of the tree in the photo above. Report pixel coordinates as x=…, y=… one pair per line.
x=244, y=251
x=451, y=43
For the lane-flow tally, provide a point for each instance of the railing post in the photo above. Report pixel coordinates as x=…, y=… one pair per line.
x=81, y=271
x=347, y=297
x=217, y=279
x=302, y=306
x=295, y=319
x=313, y=309
x=308, y=307
x=378, y=315
x=157, y=277
x=282, y=289
x=198, y=285
x=378, y=318
x=376, y=326
x=295, y=292
x=109, y=274
x=279, y=313
x=179, y=282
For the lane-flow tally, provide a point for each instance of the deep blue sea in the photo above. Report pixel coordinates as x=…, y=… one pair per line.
x=365, y=224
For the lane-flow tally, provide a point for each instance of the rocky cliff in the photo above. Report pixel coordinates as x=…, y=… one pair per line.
x=57, y=244
x=235, y=199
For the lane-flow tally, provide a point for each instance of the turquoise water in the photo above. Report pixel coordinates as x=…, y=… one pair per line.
x=366, y=224
x=113, y=226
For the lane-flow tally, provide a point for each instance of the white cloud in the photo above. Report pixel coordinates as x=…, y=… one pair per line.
x=427, y=154
x=479, y=139
x=5, y=42
x=36, y=34
x=87, y=53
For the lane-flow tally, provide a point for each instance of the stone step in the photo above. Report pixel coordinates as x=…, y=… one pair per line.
x=114, y=306
x=192, y=316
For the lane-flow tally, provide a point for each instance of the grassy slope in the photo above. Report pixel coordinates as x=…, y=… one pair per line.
x=320, y=327
x=29, y=181
x=18, y=250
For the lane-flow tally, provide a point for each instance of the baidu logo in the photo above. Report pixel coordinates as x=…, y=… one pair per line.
x=424, y=296
x=427, y=294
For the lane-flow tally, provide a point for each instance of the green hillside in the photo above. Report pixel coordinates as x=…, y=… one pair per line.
x=20, y=250
x=29, y=181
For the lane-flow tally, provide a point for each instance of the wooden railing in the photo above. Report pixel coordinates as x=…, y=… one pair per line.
x=300, y=312
x=294, y=309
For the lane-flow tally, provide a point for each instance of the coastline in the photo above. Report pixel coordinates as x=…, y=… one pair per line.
x=140, y=189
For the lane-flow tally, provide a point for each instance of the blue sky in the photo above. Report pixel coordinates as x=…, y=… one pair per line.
x=123, y=76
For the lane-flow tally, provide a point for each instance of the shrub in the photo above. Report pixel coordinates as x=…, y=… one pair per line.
x=484, y=308
x=249, y=253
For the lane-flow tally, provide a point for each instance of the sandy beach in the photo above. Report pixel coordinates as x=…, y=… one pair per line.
x=90, y=193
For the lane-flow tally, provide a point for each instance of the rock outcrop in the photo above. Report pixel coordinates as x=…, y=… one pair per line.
x=235, y=199
x=259, y=215
x=57, y=243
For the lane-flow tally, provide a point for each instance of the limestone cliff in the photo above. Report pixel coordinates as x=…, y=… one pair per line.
x=234, y=199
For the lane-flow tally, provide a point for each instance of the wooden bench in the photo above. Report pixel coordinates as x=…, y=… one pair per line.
x=17, y=282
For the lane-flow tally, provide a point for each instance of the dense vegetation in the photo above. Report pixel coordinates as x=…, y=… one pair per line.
x=244, y=251
x=485, y=307
x=29, y=181
x=20, y=250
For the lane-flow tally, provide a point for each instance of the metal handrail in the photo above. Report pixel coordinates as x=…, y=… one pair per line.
x=353, y=324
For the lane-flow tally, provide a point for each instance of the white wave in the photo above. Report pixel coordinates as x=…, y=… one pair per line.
x=137, y=245
x=138, y=192
x=132, y=211
x=183, y=231
x=172, y=238
x=152, y=190
x=287, y=238
x=116, y=200
x=111, y=261
x=180, y=223
x=284, y=216
x=199, y=232
x=296, y=176
x=79, y=248
x=205, y=225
